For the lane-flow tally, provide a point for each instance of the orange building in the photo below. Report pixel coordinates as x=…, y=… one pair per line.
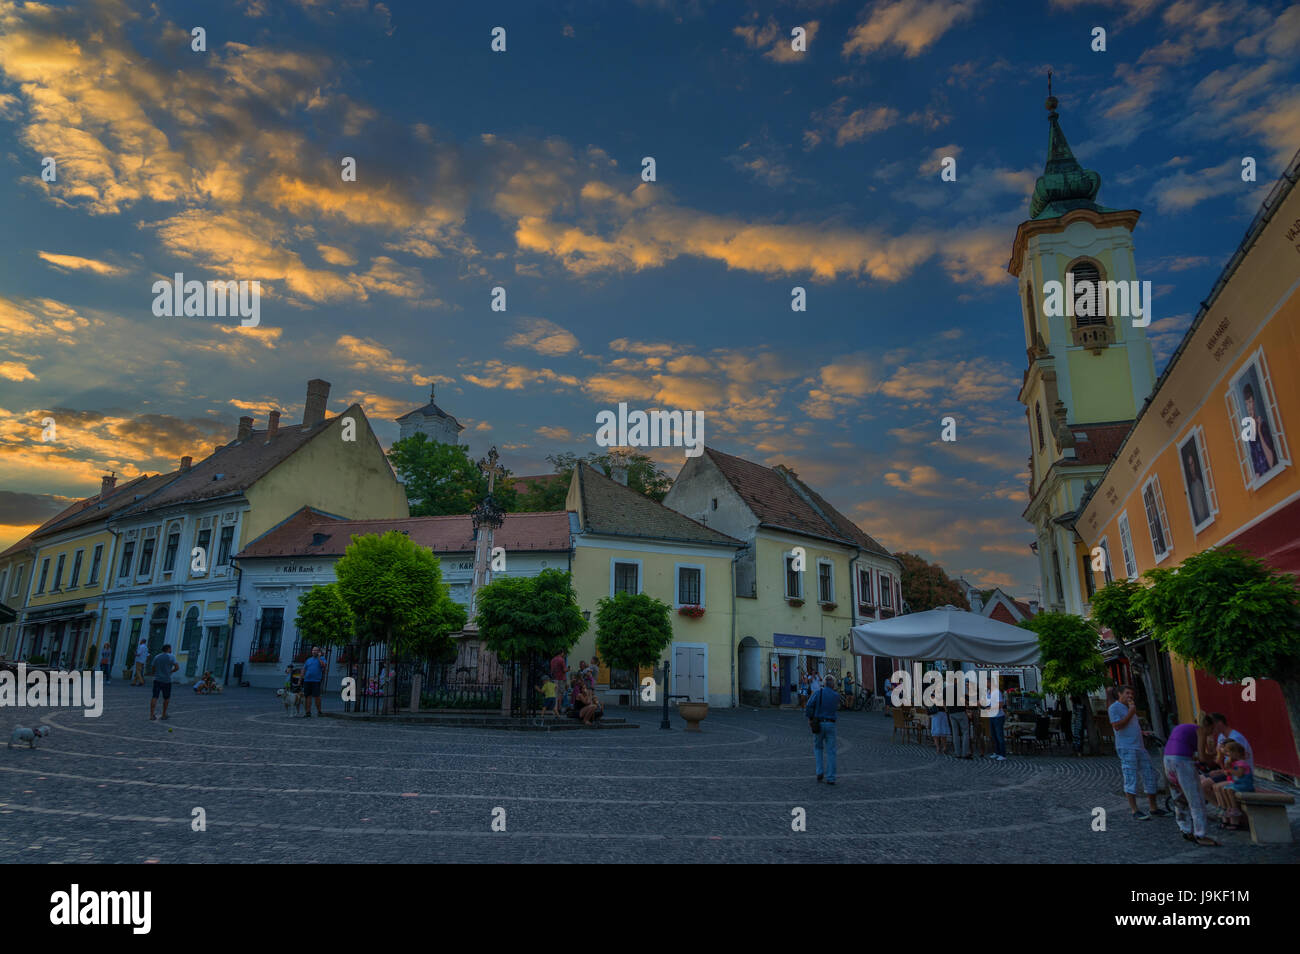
x=1208, y=461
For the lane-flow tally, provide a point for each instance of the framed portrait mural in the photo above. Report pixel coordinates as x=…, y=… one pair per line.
x=1198, y=482
x=1256, y=425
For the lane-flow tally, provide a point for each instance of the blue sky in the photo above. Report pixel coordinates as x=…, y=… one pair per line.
x=522, y=169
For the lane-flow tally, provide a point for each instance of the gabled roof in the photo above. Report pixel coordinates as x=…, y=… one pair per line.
x=123, y=497
x=781, y=501
x=610, y=508
x=234, y=468
x=311, y=532
x=75, y=507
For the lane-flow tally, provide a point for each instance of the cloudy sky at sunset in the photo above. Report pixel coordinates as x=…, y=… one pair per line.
x=522, y=169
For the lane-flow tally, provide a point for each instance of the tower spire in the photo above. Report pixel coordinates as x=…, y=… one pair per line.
x=1064, y=184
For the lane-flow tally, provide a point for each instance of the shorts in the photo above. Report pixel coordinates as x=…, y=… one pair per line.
x=548, y=703
x=1133, y=760
x=1243, y=785
x=163, y=689
x=310, y=689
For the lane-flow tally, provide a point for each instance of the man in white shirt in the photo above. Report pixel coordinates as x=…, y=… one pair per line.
x=141, y=656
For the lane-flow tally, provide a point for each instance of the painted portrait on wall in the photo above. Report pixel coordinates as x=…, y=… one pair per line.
x=1198, y=485
x=1258, y=430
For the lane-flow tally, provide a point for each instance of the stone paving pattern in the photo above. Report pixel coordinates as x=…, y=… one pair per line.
x=280, y=790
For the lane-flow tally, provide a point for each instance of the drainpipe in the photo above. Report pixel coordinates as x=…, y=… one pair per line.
x=853, y=610
x=734, y=557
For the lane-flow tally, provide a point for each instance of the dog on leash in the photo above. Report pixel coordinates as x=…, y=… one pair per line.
x=292, y=700
x=21, y=734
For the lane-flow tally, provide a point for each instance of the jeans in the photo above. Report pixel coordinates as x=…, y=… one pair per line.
x=996, y=724
x=960, y=734
x=107, y=669
x=825, y=742
x=1184, y=769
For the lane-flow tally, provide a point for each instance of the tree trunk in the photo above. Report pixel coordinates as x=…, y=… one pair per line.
x=1291, y=696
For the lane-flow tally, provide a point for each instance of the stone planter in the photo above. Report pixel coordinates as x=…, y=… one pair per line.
x=692, y=712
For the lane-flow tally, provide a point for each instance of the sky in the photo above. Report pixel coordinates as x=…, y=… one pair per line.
x=523, y=169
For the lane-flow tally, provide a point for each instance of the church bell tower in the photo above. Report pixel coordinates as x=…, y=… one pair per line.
x=1089, y=368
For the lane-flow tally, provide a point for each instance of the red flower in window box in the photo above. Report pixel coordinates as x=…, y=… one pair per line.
x=794, y=601
x=829, y=606
x=694, y=612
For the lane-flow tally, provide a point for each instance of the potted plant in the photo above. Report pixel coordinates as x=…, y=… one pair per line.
x=827, y=607
x=794, y=601
x=692, y=712
x=694, y=612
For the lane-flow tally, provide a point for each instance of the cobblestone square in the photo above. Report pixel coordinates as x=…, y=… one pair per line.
x=277, y=789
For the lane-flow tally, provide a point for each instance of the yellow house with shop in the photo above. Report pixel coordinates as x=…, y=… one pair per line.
x=62, y=621
x=626, y=542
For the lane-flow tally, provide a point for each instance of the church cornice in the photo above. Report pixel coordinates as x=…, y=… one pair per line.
x=1030, y=228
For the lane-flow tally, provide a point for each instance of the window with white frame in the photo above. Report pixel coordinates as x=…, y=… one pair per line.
x=1256, y=422
x=146, y=555
x=128, y=556
x=58, y=572
x=690, y=585
x=1198, y=482
x=18, y=579
x=825, y=582
x=864, y=586
x=75, y=580
x=173, y=545
x=1162, y=542
x=45, y=572
x=793, y=579
x=886, y=591
x=225, y=544
x=1126, y=545
x=625, y=577
x=203, y=541
x=94, y=565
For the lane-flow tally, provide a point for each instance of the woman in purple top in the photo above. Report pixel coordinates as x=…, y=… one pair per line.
x=1180, y=762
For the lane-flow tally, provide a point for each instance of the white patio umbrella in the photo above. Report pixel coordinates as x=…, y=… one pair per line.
x=947, y=633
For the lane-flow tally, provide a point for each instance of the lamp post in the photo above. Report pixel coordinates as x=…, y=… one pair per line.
x=665, y=724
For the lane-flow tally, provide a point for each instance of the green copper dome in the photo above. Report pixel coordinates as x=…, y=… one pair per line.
x=1064, y=184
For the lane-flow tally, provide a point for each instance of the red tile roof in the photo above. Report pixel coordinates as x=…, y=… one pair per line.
x=609, y=507
x=313, y=533
x=235, y=467
x=1100, y=443
x=782, y=501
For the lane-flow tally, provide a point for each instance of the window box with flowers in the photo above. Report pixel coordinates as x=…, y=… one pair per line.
x=827, y=607
x=694, y=612
x=264, y=656
x=794, y=601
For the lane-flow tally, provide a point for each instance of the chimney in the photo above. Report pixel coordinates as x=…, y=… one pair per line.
x=245, y=429
x=186, y=463
x=618, y=472
x=318, y=393
x=107, y=483
x=272, y=425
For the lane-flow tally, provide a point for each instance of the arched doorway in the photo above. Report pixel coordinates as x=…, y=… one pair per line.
x=190, y=641
x=749, y=666
x=158, y=629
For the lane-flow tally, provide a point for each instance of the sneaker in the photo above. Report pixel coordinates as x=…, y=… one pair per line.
x=307, y=715
x=1140, y=815
x=831, y=782
x=1160, y=813
x=821, y=778
x=165, y=716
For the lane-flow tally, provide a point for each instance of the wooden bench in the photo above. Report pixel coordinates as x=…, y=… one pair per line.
x=1266, y=811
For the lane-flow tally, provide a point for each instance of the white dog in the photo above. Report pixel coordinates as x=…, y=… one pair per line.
x=292, y=700
x=22, y=734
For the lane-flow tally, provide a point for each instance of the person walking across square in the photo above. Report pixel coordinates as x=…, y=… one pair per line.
x=164, y=664
x=821, y=707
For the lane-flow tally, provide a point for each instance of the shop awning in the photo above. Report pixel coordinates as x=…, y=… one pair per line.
x=947, y=633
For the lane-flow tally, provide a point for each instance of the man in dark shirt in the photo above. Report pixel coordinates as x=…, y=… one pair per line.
x=313, y=676
x=822, y=706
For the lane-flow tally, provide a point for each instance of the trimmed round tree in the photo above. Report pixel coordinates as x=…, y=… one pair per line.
x=1232, y=615
x=1114, y=607
x=632, y=630
x=394, y=590
x=323, y=618
x=526, y=618
x=1072, y=666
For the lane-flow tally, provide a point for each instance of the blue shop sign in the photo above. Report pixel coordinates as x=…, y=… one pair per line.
x=786, y=641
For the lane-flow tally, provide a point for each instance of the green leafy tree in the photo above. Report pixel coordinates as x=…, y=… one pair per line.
x=632, y=631
x=394, y=590
x=441, y=478
x=521, y=617
x=323, y=618
x=1229, y=614
x=643, y=475
x=1114, y=607
x=544, y=495
x=1072, y=665
x=926, y=585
